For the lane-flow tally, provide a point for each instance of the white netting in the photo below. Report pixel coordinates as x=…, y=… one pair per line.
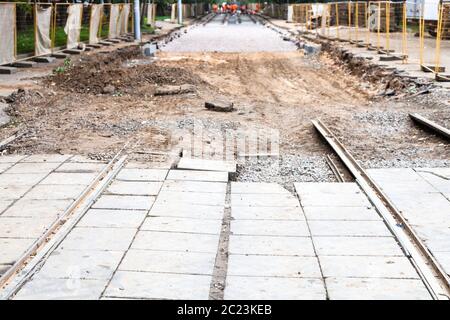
x=113, y=21
x=173, y=12
x=73, y=24
x=7, y=27
x=123, y=19
x=94, y=24
x=43, y=41
x=151, y=14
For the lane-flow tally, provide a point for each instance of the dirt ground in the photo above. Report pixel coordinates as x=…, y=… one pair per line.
x=106, y=99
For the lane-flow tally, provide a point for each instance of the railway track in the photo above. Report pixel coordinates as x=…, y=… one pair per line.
x=431, y=125
x=432, y=274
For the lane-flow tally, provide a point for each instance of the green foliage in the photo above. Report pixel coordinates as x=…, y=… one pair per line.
x=61, y=69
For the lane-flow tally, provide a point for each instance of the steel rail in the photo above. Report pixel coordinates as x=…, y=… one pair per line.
x=45, y=243
x=431, y=125
x=339, y=176
x=429, y=270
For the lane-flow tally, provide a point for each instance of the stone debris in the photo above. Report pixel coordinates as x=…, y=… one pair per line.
x=172, y=90
x=220, y=106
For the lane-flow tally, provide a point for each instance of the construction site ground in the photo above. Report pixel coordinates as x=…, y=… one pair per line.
x=284, y=223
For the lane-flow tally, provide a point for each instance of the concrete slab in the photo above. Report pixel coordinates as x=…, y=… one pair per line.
x=23, y=64
x=83, y=159
x=443, y=172
x=146, y=285
x=11, y=158
x=441, y=184
x=257, y=187
x=273, y=266
x=173, y=241
x=81, y=167
x=12, y=249
x=124, y=202
x=141, y=188
x=264, y=200
x=13, y=192
x=168, y=262
x=349, y=188
x=367, y=267
x=53, y=192
x=5, y=204
x=443, y=259
x=266, y=288
x=61, y=289
x=195, y=186
x=213, y=199
x=207, y=165
x=58, y=178
x=37, y=208
x=5, y=166
x=267, y=213
x=7, y=70
x=175, y=224
x=104, y=218
x=269, y=245
x=47, y=158
x=44, y=59
x=270, y=228
x=113, y=239
x=194, y=211
x=81, y=264
x=357, y=246
x=341, y=213
x=14, y=179
x=192, y=175
x=349, y=228
x=44, y=167
x=376, y=289
x=60, y=55
x=19, y=227
x=131, y=174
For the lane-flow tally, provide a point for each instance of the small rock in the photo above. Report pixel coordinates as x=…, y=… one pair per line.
x=220, y=106
x=109, y=89
x=171, y=90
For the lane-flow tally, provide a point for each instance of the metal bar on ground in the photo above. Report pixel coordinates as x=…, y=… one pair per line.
x=431, y=125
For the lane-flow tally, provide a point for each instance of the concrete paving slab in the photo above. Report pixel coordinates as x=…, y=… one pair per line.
x=81, y=264
x=264, y=200
x=341, y=213
x=14, y=179
x=367, y=267
x=83, y=159
x=81, y=167
x=376, y=289
x=147, y=285
x=267, y=213
x=194, y=211
x=348, y=188
x=266, y=288
x=191, y=175
x=443, y=259
x=175, y=224
x=124, y=202
x=174, y=241
x=439, y=183
x=292, y=228
x=11, y=158
x=5, y=204
x=207, y=165
x=59, y=178
x=349, y=228
x=13, y=192
x=53, y=192
x=37, y=208
x=257, y=187
x=169, y=262
x=47, y=158
x=105, y=218
x=5, y=166
x=141, y=188
x=195, y=186
x=61, y=289
x=357, y=246
x=113, y=239
x=12, y=249
x=443, y=172
x=33, y=167
x=212, y=199
x=19, y=227
x=273, y=266
x=131, y=174
x=269, y=245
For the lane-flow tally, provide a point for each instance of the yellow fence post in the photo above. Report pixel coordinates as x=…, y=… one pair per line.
x=421, y=33
x=405, y=33
x=388, y=25
x=438, y=37
x=337, y=21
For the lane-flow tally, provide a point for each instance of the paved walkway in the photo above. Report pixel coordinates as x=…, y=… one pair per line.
x=34, y=191
x=423, y=197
